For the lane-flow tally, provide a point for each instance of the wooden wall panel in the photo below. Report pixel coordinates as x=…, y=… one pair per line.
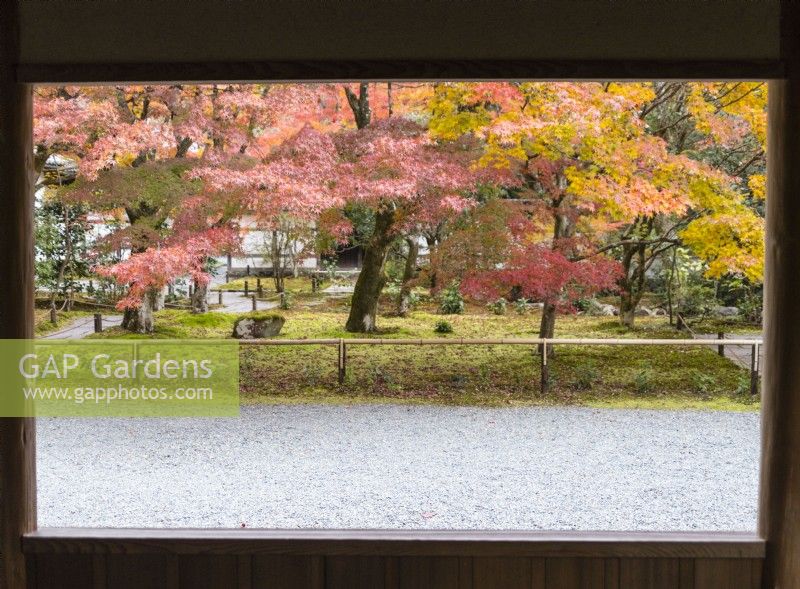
x=355, y=572
x=575, y=573
x=197, y=571
x=727, y=573
x=260, y=571
x=425, y=572
x=511, y=573
x=307, y=559
x=612, y=573
x=656, y=573
x=288, y=572
x=60, y=571
x=142, y=571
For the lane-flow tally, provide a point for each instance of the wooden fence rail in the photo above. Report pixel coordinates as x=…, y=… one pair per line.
x=543, y=344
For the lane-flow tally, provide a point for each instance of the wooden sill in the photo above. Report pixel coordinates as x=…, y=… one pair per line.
x=394, y=543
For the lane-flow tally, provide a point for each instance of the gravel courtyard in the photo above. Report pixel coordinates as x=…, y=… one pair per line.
x=399, y=466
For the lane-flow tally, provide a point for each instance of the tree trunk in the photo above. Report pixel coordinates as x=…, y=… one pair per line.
x=276, y=252
x=364, y=305
x=200, y=298
x=669, y=285
x=632, y=284
x=362, y=113
x=432, y=242
x=159, y=300
x=563, y=227
x=547, y=325
x=627, y=309
x=409, y=273
x=140, y=320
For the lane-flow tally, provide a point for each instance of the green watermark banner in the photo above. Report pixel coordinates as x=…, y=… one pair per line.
x=119, y=378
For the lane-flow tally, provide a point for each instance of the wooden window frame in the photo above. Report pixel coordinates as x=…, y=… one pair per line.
x=778, y=536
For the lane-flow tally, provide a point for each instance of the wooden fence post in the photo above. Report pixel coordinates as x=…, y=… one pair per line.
x=342, y=360
x=721, y=347
x=219, y=294
x=754, y=369
x=227, y=277
x=246, y=288
x=98, y=322
x=544, y=368
x=253, y=297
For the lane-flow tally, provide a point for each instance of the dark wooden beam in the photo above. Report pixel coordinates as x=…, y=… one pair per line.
x=466, y=69
x=394, y=543
x=779, y=495
x=17, y=435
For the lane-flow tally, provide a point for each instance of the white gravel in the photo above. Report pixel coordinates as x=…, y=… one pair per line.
x=395, y=466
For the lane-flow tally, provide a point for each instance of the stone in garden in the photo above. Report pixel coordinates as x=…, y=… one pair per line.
x=726, y=311
x=603, y=310
x=258, y=325
x=643, y=312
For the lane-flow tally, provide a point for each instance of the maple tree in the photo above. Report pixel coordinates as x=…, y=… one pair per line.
x=722, y=125
x=408, y=180
x=147, y=273
x=493, y=253
x=591, y=168
x=112, y=132
x=390, y=167
x=591, y=172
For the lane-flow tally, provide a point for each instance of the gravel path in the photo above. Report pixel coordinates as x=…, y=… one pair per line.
x=395, y=466
x=82, y=327
x=234, y=302
x=739, y=355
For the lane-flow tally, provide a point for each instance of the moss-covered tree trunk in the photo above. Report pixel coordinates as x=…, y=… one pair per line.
x=409, y=273
x=547, y=325
x=364, y=305
x=200, y=298
x=159, y=300
x=632, y=282
x=278, y=261
x=433, y=238
x=370, y=282
x=563, y=227
x=140, y=320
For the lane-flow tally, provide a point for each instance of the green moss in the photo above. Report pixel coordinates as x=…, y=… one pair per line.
x=260, y=316
x=726, y=325
x=207, y=320
x=495, y=375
